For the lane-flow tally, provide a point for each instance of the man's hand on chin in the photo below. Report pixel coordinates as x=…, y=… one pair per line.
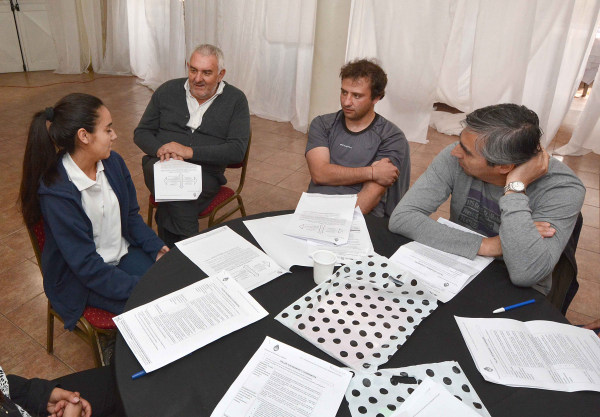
x=174, y=150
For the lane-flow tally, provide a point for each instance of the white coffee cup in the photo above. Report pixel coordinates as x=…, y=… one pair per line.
x=324, y=261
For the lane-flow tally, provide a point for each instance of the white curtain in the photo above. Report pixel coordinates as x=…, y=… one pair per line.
x=526, y=52
x=586, y=136
x=68, y=31
x=268, y=48
x=474, y=53
x=76, y=27
x=409, y=38
x=156, y=40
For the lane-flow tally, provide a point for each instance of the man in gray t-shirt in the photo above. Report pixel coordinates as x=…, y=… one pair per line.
x=503, y=186
x=357, y=151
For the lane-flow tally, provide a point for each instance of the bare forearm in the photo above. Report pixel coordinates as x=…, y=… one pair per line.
x=369, y=196
x=331, y=174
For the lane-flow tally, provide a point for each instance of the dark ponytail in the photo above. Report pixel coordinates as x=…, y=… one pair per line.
x=44, y=146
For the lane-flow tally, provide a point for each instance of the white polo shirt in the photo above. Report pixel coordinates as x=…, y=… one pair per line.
x=197, y=110
x=101, y=205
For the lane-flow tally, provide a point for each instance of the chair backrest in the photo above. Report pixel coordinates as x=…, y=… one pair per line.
x=564, y=275
x=243, y=165
x=37, y=236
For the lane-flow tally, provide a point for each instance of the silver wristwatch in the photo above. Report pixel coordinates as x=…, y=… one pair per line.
x=516, y=186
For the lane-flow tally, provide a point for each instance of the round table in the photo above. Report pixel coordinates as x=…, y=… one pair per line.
x=196, y=383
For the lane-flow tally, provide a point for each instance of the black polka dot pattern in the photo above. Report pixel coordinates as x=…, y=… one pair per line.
x=379, y=393
x=359, y=317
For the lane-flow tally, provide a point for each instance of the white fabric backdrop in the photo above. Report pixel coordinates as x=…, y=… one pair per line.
x=68, y=31
x=268, y=48
x=76, y=27
x=530, y=53
x=586, y=136
x=409, y=38
x=156, y=40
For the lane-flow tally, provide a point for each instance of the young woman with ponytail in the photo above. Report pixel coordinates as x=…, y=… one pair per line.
x=97, y=244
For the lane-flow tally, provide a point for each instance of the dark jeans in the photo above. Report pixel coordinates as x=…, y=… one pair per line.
x=136, y=262
x=98, y=387
x=178, y=220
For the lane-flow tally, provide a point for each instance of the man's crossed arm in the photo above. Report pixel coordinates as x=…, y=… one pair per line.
x=375, y=178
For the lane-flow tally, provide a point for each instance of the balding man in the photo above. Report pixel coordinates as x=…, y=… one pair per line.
x=200, y=119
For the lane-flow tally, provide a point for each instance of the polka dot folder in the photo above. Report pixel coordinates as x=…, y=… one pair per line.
x=360, y=316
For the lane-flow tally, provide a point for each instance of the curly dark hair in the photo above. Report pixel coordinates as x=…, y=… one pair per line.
x=370, y=69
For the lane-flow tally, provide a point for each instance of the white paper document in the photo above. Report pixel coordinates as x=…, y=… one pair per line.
x=223, y=249
x=177, y=181
x=326, y=218
x=283, y=381
x=534, y=354
x=285, y=250
x=179, y=323
x=431, y=399
x=358, y=246
x=443, y=273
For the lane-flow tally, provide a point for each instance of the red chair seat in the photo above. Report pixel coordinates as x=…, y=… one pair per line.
x=223, y=194
x=99, y=318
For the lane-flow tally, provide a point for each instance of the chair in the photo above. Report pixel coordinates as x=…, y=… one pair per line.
x=564, y=275
x=93, y=321
x=225, y=196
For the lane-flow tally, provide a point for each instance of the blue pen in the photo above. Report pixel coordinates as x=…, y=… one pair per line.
x=503, y=309
x=138, y=375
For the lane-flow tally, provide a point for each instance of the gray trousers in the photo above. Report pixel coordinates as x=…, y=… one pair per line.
x=178, y=220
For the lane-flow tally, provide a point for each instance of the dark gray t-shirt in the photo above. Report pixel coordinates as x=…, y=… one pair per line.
x=382, y=139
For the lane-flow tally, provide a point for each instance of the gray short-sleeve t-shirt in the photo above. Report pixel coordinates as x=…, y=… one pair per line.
x=381, y=139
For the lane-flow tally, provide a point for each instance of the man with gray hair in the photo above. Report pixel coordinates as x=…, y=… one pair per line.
x=200, y=119
x=505, y=186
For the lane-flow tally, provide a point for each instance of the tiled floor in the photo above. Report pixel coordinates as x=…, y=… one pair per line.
x=276, y=177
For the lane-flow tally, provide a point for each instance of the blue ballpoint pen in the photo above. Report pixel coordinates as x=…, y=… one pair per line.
x=503, y=309
x=138, y=375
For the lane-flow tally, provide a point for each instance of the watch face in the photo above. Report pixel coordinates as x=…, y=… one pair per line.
x=517, y=186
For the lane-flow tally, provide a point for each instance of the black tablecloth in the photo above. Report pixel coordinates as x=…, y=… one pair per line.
x=196, y=383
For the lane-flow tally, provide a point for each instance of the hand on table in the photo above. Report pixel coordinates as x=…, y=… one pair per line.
x=161, y=252
x=60, y=402
x=531, y=170
x=174, y=150
x=384, y=172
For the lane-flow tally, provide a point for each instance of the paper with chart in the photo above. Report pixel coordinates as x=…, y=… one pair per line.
x=326, y=218
x=431, y=399
x=285, y=250
x=177, y=181
x=283, y=381
x=358, y=246
x=223, y=249
x=534, y=354
x=179, y=323
x=443, y=273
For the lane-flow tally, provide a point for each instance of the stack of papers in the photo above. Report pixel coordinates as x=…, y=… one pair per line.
x=358, y=246
x=224, y=250
x=444, y=274
x=177, y=181
x=430, y=399
x=282, y=381
x=287, y=251
x=536, y=354
x=325, y=218
x=179, y=323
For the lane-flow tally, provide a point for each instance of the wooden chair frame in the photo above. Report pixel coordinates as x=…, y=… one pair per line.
x=236, y=196
x=87, y=332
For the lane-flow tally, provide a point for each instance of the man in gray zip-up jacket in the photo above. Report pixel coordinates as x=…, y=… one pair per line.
x=199, y=119
x=503, y=186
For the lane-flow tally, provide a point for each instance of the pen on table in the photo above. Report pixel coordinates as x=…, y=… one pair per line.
x=138, y=375
x=503, y=309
